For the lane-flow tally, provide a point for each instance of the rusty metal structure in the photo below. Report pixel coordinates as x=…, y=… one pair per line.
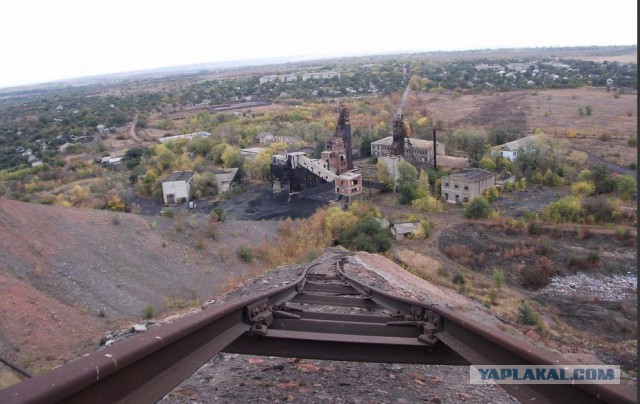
x=351, y=321
x=343, y=130
x=288, y=174
x=399, y=136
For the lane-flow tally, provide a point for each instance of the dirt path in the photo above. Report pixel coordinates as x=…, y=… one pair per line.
x=132, y=130
x=613, y=168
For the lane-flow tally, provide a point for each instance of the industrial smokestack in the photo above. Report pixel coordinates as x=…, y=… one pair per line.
x=435, y=150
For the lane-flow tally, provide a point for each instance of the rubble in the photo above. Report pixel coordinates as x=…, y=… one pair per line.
x=605, y=288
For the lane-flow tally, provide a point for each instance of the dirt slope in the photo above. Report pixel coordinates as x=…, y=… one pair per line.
x=68, y=275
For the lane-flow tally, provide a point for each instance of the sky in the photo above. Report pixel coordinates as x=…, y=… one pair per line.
x=48, y=40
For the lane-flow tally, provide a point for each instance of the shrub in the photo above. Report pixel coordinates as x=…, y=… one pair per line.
x=487, y=163
x=591, y=260
x=149, y=311
x=543, y=246
x=492, y=297
x=535, y=227
x=245, y=253
x=491, y=194
x=458, y=279
x=526, y=315
x=427, y=204
x=498, y=277
x=583, y=188
x=218, y=214
x=459, y=252
x=632, y=141
x=538, y=275
x=552, y=179
x=568, y=209
x=626, y=186
x=168, y=212
x=367, y=236
x=477, y=208
x=602, y=209
x=204, y=185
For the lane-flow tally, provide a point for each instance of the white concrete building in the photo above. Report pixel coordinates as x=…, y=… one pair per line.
x=177, y=188
x=279, y=77
x=512, y=150
x=320, y=75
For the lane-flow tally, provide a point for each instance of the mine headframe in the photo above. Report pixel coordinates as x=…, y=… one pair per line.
x=399, y=136
x=343, y=129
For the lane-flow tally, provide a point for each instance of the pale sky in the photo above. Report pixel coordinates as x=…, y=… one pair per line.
x=46, y=40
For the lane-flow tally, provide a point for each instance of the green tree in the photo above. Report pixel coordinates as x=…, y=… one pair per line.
x=487, y=163
x=626, y=186
x=407, y=182
x=384, y=176
x=204, y=185
x=367, y=235
x=477, y=208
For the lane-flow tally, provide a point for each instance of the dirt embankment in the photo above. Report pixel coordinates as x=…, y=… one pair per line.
x=68, y=275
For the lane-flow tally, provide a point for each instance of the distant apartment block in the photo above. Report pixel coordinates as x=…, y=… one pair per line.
x=320, y=75
x=278, y=77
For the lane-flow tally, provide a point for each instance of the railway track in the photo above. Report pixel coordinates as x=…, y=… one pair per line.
x=324, y=314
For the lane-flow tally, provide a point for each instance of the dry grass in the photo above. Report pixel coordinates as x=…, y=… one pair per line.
x=460, y=253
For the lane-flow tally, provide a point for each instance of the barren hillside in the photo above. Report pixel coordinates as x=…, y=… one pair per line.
x=68, y=275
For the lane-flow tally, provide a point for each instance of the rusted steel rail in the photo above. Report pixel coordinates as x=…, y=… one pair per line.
x=322, y=315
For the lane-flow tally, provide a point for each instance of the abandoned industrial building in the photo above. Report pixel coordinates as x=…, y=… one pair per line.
x=512, y=150
x=416, y=150
x=177, y=188
x=463, y=186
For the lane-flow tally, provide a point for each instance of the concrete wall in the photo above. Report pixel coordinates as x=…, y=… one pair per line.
x=179, y=189
x=464, y=189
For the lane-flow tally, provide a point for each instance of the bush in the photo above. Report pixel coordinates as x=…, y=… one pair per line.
x=217, y=215
x=498, y=277
x=149, y=311
x=168, y=212
x=626, y=186
x=632, y=141
x=477, y=208
x=367, y=235
x=458, y=279
x=245, y=253
x=591, y=260
x=543, y=246
x=487, y=163
x=539, y=275
x=204, y=185
x=526, y=315
x=491, y=194
x=568, y=209
x=601, y=209
x=552, y=179
x=583, y=188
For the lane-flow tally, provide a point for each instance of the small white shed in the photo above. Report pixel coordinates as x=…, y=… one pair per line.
x=177, y=188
